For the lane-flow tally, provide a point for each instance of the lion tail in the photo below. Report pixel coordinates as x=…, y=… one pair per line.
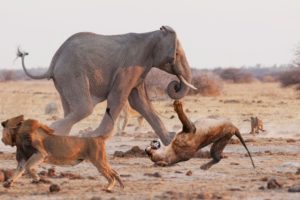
x=238, y=135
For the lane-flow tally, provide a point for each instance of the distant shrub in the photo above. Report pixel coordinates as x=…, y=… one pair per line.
x=7, y=75
x=235, y=75
x=207, y=84
x=269, y=78
x=157, y=82
x=290, y=78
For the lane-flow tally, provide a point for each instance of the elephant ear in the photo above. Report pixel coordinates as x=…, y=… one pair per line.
x=167, y=29
x=165, y=48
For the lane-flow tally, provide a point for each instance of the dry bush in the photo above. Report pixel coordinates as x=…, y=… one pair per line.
x=157, y=82
x=7, y=75
x=269, y=78
x=207, y=84
x=235, y=75
x=290, y=78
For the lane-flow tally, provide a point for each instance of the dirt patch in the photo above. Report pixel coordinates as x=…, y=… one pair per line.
x=135, y=151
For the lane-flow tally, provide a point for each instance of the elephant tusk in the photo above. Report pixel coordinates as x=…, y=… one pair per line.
x=186, y=83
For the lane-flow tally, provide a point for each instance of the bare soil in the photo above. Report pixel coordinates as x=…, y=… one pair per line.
x=276, y=152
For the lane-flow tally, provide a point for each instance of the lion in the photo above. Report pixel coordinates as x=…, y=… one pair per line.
x=192, y=138
x=256, y=125
x=36, y=144
x=126, y=113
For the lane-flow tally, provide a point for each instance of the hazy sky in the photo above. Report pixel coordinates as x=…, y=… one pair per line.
x=213, y=33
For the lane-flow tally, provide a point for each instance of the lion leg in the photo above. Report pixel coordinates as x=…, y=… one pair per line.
x=106, y=171
x=34, y=160
x=101, y=163
x=18, y=172
x=140, y=121
x=216, y=151
x=125, y=122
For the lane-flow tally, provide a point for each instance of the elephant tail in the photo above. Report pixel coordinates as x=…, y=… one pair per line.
x=47, y=74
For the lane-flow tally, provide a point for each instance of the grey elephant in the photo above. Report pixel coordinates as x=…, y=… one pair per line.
x=90, y=68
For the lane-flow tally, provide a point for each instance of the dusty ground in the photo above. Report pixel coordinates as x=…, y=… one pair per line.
x=276, y=152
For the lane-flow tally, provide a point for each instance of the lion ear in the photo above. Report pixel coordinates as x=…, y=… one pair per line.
x=18, y=121
x=4, y=123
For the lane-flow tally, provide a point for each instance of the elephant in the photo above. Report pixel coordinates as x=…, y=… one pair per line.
x=89, y=68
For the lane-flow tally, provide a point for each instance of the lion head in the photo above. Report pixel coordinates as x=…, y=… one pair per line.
x=10, y=129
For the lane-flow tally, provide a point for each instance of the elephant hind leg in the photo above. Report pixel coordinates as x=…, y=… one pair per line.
x=77, y=104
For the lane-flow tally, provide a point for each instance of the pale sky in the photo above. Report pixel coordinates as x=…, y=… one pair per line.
x=213, y=33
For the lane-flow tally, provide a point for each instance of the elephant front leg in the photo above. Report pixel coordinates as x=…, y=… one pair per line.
x=139, y=100
x=122, y=86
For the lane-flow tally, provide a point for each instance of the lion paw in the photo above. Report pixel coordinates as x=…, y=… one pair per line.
x=7, y=184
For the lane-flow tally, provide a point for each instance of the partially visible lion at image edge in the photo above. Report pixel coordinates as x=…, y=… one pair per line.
x=36, y=143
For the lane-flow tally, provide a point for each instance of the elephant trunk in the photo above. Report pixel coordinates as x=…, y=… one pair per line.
x=178, y=89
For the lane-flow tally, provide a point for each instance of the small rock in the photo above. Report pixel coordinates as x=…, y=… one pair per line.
x=235, y=189
x=264, y=178
x=125, y=175
x=45, y=181
x=91, y=178
x=261, y=188
x=43, y=173
x=273, y=184
x=232, y=101
x=51, y=172
x=290, y=140
x=155, y=174
x=119, y=154
x=69, y=175
x=294, y=188
x=234, y=163
x=204, y=195
x=2, y=176
x=54, y=188
x=189, y=173
x=96, y=198
x=249, y=140
x=135, y=151
x=178, y=172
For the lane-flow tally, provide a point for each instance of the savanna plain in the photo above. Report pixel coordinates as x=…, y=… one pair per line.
x=276, y=152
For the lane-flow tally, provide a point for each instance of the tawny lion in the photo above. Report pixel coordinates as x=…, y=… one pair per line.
x=128, y=111
x=256, y=125
x=36, y=143
x=194, y=137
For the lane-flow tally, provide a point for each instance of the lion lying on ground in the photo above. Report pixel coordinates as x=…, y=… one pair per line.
x=36, y=143
x=192, y=138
